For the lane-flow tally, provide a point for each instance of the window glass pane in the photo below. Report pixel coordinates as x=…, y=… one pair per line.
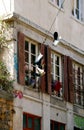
x=57, y=78
x=62, y=127
x=78, y=83
x=56, y=126
x=24, y=120
x=77, y=4
x=57, y=70
x=30, y=122
x=32, y=59
x=51, y=126
x=57, y=60
x=26, y=57
x=36, y=124
x=33, y=48
x=26, y=46
x=58, y=2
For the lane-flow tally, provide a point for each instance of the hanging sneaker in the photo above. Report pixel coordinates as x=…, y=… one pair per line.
x=38, y=58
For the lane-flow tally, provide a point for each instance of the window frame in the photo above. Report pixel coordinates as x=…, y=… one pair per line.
x=60, y=66
x=77, y=10
x=32, y=117
x=58, y=3
x=58, y=93
x=78, y=83
x=31, y=67
x=58, y=123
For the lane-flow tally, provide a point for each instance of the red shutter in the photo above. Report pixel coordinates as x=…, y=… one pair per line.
x=43, y=78
x=65, y=67
x=70, y=81
x=21, y=59
x=48, y=69
x=46, y=79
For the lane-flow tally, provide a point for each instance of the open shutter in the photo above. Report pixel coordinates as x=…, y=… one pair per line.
x=46, y=79
x=65, y=76
x=70, y=81
x=21, y=59
x=48, y=69
x=83, y=86
x=43, y=78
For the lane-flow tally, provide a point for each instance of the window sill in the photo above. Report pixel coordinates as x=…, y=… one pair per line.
x=56, y=6
x=78, y=106
x=77, y=20
x=54, y=96
x=33, y=89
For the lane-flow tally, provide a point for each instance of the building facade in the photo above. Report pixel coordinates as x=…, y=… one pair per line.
x=49, y=91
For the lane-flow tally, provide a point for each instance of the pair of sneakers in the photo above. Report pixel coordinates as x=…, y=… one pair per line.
x=39, y=71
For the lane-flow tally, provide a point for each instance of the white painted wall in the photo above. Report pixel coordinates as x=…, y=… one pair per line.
x=6, y=6
x=43, y=14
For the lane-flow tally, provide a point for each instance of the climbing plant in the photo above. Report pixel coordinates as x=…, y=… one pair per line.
x=6, y=83
x=3, y=30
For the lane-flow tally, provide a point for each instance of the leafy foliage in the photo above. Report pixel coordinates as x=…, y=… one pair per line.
x=5, y=82
x=3, y=30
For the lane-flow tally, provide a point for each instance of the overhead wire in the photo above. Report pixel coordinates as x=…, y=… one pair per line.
x=4, y=6
x=54, y=20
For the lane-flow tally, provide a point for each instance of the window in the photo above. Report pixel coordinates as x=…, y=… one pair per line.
x=33, y=59
x=78, y=83
x=30, y=68
x=59, y=3
x=78, y=9
x=57, y=126
x=31, y=122
x=56, y=74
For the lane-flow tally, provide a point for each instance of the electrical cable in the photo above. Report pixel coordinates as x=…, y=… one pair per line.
x=4, y=6
x=54, y=20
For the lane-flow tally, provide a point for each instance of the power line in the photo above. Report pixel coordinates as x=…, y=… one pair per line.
x=4, y=6
x=54, y=21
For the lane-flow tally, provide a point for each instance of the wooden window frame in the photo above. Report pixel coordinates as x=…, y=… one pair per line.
x=58, y=3
x=77, y=10
x=60, y=66
x=32, y=68
x=54, y=75
x=58, y=123
x=78, y=84
x=33, y=117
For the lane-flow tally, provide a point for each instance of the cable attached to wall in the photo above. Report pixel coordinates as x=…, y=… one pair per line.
x=54, y=21
x=4, y=6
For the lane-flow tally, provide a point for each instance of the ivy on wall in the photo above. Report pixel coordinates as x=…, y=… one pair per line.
x=3, y=34
x=6, y=83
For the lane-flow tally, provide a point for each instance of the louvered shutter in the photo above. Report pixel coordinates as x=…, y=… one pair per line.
x=70, y=81
x=46, y=79
x=21, y=59
x=65, y=77
x=83, y=86
x=48, y=69
x=43, y=78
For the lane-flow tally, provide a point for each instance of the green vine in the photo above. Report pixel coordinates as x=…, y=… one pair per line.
x=3, y=34
x=5, y=82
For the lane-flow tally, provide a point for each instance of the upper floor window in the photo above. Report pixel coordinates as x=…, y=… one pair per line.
x=59, y=3
x=30, y=68
x=56, y=125
x=78, y=9
x=31, y=122
x=33, y=64
x=78, y=83
x=56, y=74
